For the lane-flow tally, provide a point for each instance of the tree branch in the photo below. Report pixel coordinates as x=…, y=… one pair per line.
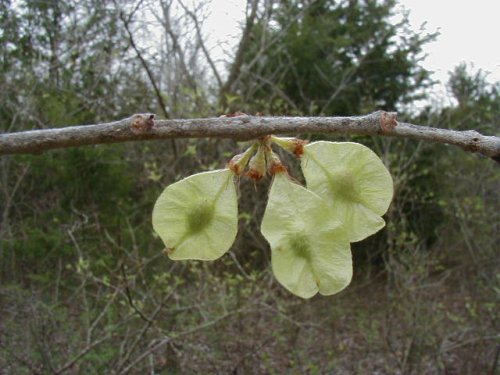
x=143, y=127
x=235, y=70
x=202, y=43
x=145, y=65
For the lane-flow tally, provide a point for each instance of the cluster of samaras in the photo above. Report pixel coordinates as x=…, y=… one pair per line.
x=309, y=228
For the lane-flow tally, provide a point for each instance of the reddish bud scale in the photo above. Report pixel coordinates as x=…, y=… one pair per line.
x=255, y=175
x=235, y=165
x=298, y=149
x=274, y=164
x=276, y=168
x=239, y=162
x=292, y=145
x=142, y=124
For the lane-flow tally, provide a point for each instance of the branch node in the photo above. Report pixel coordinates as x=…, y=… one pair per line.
x=142, y=123
x=388, y=121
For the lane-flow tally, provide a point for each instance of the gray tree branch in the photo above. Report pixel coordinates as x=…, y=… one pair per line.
x=142, y=127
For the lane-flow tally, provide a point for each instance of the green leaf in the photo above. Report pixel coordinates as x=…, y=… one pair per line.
x=355, y=182
x=197, y=217
x=310, y=251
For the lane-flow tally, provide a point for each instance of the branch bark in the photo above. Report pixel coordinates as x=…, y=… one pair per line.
x=142, y=127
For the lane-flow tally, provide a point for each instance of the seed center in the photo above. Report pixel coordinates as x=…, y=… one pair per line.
x=300, y=246
x=200, y=216
x=342, y=185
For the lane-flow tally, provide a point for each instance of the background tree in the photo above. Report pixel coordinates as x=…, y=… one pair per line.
x=332, y=58
x=84, y=285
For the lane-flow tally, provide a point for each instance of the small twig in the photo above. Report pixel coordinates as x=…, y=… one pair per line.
x=495, y=361
x=130, y=300
x=159, y=97
x=156, y=88
x=149, y=323
x=145, y=354
x=202, y=43
x=80, y=355
x=241, y=52
x=24, y=362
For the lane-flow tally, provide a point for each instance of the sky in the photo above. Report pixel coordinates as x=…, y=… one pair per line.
x=469, y=32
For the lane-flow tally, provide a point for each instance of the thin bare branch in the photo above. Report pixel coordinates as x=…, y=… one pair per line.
x=142, y=127
x=130, y=299
x=159, y=97
x=193, y=16
x=145, y=65
x=81, y=354
x=275, y=88
x=239, y=57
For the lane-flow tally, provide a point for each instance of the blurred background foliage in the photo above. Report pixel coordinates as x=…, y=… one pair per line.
x=84, y=286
